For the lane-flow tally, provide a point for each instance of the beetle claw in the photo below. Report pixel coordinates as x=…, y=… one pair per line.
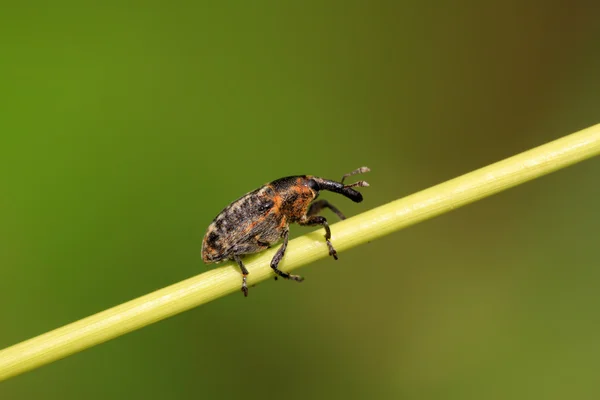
x=332, y=251
x=244, y=286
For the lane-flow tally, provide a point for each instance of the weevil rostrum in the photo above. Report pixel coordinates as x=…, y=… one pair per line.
x=261, y=218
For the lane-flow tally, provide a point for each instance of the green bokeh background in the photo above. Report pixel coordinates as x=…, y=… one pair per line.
x=125, y=128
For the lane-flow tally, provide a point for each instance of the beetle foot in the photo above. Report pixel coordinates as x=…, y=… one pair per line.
x=286, y=275
x=332, y=251
x=244, y=286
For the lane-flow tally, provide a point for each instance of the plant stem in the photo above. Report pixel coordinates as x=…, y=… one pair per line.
x=362, y=228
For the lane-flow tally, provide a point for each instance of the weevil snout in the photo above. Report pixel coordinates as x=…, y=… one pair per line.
x=339, y=187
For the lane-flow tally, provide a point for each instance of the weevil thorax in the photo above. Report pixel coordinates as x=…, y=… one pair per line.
x=295, y=193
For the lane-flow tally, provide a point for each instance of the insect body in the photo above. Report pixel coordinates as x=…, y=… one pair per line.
x=261, y=218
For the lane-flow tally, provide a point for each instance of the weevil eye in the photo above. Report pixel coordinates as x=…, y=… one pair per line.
x=313, y=185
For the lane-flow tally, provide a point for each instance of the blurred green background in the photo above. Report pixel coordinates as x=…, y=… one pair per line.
x=125, y=128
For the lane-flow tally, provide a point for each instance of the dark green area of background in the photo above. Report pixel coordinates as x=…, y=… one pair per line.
x=125, y=128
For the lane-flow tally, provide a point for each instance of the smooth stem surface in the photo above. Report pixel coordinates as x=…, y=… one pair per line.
x=360, y=229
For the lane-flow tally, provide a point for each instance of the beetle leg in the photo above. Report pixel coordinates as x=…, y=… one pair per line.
x=244, y=274
x=319, y=220
x=279, y=255
x=318, y=205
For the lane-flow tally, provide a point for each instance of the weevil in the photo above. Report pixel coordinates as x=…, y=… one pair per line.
x=262, y=217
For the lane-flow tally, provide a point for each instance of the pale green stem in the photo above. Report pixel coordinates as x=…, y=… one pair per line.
x=360, y=229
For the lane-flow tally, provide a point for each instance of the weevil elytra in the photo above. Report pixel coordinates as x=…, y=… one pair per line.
x=261, y=218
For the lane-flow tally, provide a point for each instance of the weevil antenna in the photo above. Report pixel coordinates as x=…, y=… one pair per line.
x=359, y=184
x=357, y=171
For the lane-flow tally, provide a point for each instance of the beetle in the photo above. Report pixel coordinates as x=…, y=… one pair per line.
x=261, y=218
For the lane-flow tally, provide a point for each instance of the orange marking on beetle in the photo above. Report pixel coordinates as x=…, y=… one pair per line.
x=278, y=200
x=282, y=223
x=252, y=224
